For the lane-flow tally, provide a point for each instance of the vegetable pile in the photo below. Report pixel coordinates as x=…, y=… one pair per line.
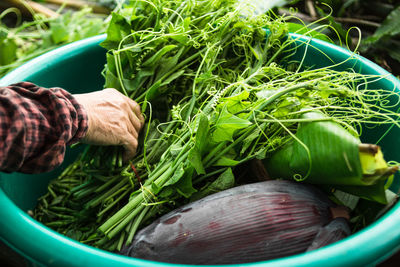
x=219, y=89
x=22, y=41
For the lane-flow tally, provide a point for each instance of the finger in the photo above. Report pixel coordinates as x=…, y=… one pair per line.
x=136, y=109
x=135, y=122
x=131, y=128
x=130, y=148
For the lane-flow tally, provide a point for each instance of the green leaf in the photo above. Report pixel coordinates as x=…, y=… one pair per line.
x=238, y=97
x=186, y=23
x=167, y=192
x=3, y=34
x=117, y=29
x=226, y=126
x=168, y=63
x=202, y=134
x=225, y=161
x=257, y=52
x=237, y=103
x=389, y=27
x=8, y=49
x=184, y=186
x=285, y=106
x=249, y=139
x=74, y=26
x=152, y=93
x=140, y=76
x=92, y=28
x=180, y=38
x=173, y=76
x=225, y=181
x=59, y=29
x=178, y=174
x=195, y=160
x=156, y=57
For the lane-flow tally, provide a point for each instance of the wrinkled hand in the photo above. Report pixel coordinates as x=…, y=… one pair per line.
x=113, y=119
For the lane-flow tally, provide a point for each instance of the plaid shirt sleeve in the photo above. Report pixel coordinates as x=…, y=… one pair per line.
x=36, y=124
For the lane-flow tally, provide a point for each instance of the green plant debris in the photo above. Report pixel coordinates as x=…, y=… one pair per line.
x=32, y=38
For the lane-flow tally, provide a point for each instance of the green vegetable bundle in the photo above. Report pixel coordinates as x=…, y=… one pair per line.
x=218, y=90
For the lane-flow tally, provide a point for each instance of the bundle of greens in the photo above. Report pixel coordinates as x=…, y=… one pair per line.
x=218, y=89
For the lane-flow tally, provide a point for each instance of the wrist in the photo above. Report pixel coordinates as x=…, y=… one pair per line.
x=83, y=119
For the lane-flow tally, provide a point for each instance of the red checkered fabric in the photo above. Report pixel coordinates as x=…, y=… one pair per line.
x=36, y=124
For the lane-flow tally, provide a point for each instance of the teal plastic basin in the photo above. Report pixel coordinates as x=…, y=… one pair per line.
x=77, y=68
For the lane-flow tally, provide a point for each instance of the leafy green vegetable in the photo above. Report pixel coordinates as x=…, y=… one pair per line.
x=226, y=125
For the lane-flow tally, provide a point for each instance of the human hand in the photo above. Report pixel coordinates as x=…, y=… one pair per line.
x=113, y=119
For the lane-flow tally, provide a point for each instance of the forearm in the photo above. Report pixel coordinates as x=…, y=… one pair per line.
x=36, y=124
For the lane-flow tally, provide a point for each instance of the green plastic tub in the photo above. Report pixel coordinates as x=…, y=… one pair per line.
x=77, y=68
